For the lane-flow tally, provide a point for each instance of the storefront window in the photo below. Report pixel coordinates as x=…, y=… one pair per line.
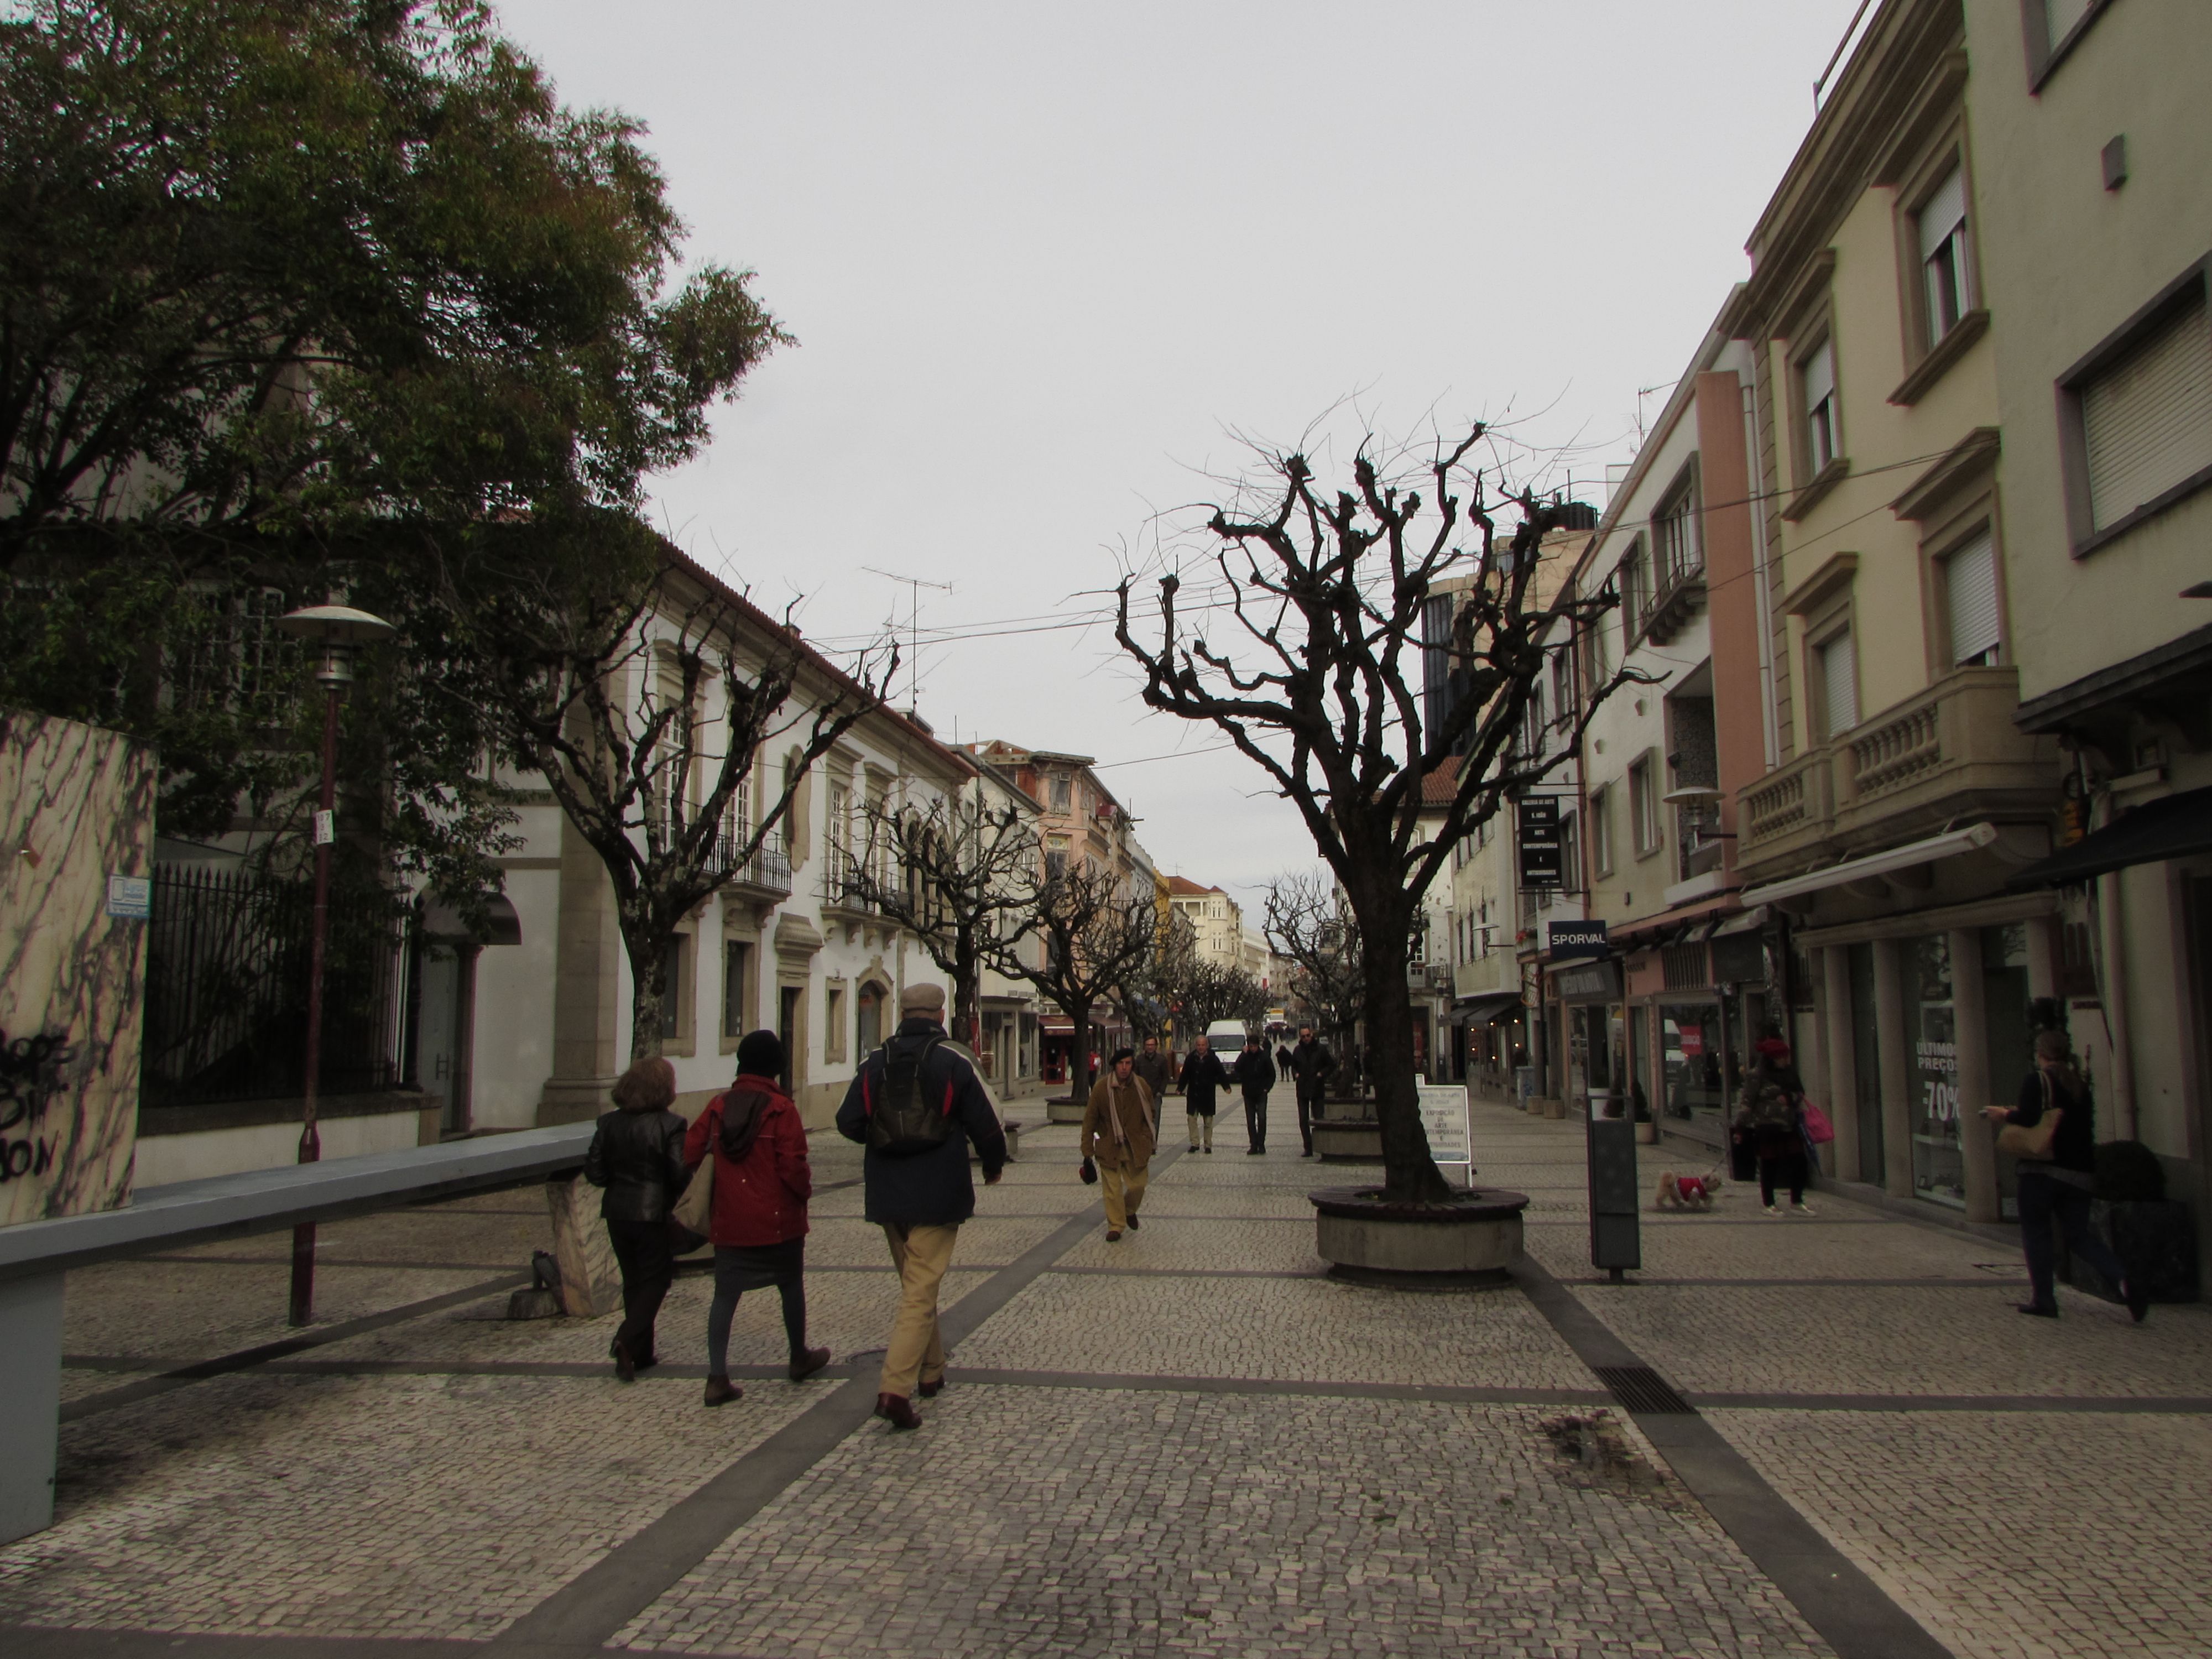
x=1636, y=1062
x=1939, y=1168
x=1690, y=1056
x=2004, y=1014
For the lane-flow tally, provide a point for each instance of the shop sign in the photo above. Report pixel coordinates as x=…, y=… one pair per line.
x=1444, y=1119
x=1573, y=941
x=1593, y=983
x=1936, y=1061
x=1538, y=821
x=1691, y=1040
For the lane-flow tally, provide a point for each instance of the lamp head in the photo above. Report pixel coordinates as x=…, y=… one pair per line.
x=336, y=630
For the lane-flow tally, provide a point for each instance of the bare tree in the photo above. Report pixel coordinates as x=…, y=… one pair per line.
x=1213, y=991
x=598, y=677
x=961, y=877
x=1309, y=926
x=1319, y=595
x=1151, y=987
x=1095, y=933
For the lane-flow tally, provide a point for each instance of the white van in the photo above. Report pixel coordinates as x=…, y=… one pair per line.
x=1226, y=1037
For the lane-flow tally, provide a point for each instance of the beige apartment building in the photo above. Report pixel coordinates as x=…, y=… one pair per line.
x=2096, y=239
x=1216, y=921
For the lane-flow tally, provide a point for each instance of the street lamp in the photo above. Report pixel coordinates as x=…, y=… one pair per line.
x=336, y=631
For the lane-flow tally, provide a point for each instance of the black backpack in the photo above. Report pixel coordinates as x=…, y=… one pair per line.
x=903, y=1123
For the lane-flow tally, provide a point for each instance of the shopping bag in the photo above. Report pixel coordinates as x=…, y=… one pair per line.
x=1818, y=1129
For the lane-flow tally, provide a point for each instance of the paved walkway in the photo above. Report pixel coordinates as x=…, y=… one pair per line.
x=1190, y=1442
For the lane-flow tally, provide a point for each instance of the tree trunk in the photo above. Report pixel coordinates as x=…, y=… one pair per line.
x=1078, y=1059
x=1410, y=1174
x=649, y=990
x=967, y=1021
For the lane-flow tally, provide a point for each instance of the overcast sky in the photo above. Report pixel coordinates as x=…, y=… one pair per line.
x=1044, y=260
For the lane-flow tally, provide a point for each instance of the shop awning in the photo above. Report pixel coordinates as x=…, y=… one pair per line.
x=1056, y=1026
x=2173, y=827
x=1952, y=842
x=1481, y=1010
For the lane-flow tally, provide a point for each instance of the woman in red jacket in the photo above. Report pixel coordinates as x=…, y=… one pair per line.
x=762, y=1184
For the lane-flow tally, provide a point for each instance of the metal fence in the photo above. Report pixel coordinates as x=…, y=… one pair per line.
x=227, y=990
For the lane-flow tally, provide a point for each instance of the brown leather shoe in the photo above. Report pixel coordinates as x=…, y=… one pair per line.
x=931, y=1390
x=1113, y=1235
x=720, y=1391
x=895, y=1410
x=1133, y=1223
x=806, y=1362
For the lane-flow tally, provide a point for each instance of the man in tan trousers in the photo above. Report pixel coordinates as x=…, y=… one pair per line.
x=1119, y=1128
x=920, y=1197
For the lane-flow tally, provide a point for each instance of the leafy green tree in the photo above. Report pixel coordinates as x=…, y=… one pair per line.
x=296, y=295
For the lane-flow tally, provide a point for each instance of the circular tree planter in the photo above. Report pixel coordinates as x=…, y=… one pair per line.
x=1348, y=1143
x=1472, y=1239
x=1063, y=1111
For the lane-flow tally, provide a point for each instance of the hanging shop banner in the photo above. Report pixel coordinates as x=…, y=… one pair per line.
x=1538, y=821
x=1575, y=941
x=1444, y=1117
x=1595, y=981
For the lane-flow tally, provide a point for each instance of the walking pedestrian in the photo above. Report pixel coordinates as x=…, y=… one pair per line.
x=1255, y=1074
x=637, y=1155
x=1121, y=1127
x=2055, y=1189
x=1312, y=1063
x=919, y=1192
x=1158, y=1070
x=1203, y=1074
x=757, y=1223
x=1771, y=1117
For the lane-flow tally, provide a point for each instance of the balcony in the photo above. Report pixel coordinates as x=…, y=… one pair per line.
x=845, y=894
x=766, y=874
x=1492, y=972
x=1950, y=753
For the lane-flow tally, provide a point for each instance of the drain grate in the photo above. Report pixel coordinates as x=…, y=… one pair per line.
x=1640, y=1388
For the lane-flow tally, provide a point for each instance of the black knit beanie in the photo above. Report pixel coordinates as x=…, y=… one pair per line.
x=760, y=1053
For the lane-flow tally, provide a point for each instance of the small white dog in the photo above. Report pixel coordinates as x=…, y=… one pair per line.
x=1689, y=1192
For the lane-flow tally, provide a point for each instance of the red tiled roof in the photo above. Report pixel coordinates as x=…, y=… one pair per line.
x=1441, y=785
x=1183, y=885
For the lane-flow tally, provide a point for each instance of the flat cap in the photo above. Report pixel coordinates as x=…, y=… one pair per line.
x=922, y=1000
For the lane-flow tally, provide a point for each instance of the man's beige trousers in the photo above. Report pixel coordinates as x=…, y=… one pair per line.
x=1201, y=1124
x=916, y=1353
x=1123, y=1191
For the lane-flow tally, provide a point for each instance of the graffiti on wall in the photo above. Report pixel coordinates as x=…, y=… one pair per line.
x=30, y=1078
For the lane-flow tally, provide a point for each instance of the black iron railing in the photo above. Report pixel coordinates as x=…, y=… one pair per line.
x=227, y=990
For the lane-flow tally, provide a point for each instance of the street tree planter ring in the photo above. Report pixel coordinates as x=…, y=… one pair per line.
x=1064, y=1111
x=1471, y=1239
x=1348, y=1143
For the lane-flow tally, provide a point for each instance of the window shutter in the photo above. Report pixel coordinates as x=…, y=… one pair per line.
x=1839, y=682
x=2146, y=421
x=1942, y=213
x=1819, y=376
x=1970, y=580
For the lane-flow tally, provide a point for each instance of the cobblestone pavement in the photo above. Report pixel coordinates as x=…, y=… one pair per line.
x=1187, y=1442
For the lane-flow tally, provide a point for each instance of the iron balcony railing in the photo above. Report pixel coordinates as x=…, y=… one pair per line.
x=768, y=869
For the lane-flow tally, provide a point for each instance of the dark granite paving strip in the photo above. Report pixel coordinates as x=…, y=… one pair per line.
x=92, y=1405
x=1851, y=1613
x=1796, y=1223
x=2116, y=1404
x=285, y=1260
x=36, y=1642
x=585, y=1613
x=1986, y=1282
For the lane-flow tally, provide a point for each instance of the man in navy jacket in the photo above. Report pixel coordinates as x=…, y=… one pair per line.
x=920, y=1200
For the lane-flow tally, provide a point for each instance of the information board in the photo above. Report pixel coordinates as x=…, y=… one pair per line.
x=1443, y=1116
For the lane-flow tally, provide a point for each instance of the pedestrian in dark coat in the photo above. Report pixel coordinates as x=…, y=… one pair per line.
x=1255, y=1074
x=1771, y=1117
x=758, y=1224
x=1311, y=1063
x=1203, y=1074
x=2056, y=1192
x=920, y=1200
x=1157, y=1069
x=637, y=1155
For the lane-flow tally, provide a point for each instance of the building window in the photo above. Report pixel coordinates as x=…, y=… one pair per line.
x=1563, y=687
x=833, y=1032
x=1600, y=830
x=1571, y=856
x=1970, y=602
x=1676, y=553
x=2146, y=415
x=1061, y=791
x=1838, y=680
x=736, y=956
x=1644, y=805
x=1056, y=857
x=1635, y=593
x=869, y=1009
x=1947, y=283
x=1817, y=386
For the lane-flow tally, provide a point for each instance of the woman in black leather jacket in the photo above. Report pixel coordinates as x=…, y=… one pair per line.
x=637, y=1155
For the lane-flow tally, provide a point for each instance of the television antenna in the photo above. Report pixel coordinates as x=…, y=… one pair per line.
x=913, y=585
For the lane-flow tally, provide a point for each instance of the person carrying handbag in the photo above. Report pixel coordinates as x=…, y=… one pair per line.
x=756, y=1212
x=1772, y=1118
x=2052, y=1131
x=637, y=1156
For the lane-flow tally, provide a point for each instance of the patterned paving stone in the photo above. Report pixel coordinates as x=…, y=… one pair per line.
x=377, y=1507
x=1214, y=1526
x=1284, y=1329
x=2013, y=1537
x=1171, y=1240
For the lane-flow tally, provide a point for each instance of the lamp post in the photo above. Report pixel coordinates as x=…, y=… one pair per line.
x=336, y=630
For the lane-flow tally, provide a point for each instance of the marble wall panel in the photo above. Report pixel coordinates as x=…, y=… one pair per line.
x=76, y=806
